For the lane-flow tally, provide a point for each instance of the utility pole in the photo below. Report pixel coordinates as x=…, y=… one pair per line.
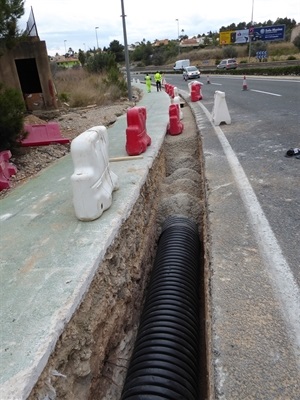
x=97, y=27
x=178, y=35
x=126, y=53
x=250, y=34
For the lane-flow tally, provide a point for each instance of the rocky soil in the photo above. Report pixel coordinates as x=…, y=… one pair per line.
x=31, y=160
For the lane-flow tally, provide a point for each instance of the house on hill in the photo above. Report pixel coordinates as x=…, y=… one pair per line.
x=67, y=62
x=192, y=43
x=160, y=42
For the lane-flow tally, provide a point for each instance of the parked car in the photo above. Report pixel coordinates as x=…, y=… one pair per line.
x=190, y=73
x=228, y=63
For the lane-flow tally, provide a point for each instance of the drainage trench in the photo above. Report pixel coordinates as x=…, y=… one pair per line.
x=169, y=355
x=92, y=358
x=165, y=360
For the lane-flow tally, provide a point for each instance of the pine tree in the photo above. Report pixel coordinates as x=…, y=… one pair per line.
x=10, y=12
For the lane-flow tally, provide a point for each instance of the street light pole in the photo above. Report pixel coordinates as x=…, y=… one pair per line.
x=126, y=53
x=97, y=27
x=250, y=35
x=178, y=35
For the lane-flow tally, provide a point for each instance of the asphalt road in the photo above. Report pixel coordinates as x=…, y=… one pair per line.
x=265, y=123
x=255, y=242
x=253, y=199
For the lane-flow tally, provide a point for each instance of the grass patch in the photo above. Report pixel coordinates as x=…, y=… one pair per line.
x=79, y=88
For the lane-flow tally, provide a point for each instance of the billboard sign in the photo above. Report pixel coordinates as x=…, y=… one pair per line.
x=225, y=37
x=275, y=32
x=241, y=36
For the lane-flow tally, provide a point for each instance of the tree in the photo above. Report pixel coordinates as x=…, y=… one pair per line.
x=11, y=117
x=117, y=49
x=10, y=12
x=82, y=57
x=289, y=25
x=100, y=62
x=229, y=52
x=296, y=41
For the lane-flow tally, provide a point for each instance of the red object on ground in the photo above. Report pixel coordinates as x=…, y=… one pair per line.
x=172, y=94
x=7, y=169
x=168, y=88
x=43, y=135
x=137, y=138
x=196, y=94
x=175, y=127
x=245, y=86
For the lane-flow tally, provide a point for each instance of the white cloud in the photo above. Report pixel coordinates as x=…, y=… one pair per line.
x=75, y=22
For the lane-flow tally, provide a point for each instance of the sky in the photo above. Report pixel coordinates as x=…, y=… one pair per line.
x=80, y=24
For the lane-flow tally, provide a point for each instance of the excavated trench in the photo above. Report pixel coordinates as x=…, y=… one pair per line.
x=92, y=356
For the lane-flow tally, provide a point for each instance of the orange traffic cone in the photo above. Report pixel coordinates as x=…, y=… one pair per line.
x=207, y=79
x=245, y=87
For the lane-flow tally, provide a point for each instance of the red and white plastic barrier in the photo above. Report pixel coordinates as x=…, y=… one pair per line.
x=176, y=100
x=137, y=138
x=43, y=135
x=175, y=127
x=7, y=169
x=195, y=91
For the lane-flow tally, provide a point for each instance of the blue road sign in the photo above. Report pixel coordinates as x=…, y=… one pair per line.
x=262, y=55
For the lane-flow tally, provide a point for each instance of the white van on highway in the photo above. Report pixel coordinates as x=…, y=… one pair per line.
x=180, y=64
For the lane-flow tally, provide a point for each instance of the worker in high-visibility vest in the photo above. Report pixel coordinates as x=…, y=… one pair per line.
x=148, y=82
x=158, y=79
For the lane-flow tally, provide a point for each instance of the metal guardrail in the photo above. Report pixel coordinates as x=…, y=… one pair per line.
x=261, y=65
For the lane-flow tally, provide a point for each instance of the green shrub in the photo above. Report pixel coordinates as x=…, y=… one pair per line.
x=64, y=97
x=230, y=52
x=296, y=41
x=11, y=118
x=291, y=58
x=115, y=78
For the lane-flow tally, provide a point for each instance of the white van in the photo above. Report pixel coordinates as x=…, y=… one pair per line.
x=180, y=64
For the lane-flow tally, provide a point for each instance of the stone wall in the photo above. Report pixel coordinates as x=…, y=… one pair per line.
x=30, y=50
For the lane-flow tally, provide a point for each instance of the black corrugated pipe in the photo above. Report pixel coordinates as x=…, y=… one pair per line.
x=165, y=359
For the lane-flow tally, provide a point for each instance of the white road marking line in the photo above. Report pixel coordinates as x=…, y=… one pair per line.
x=281, y=276
x=260, y=91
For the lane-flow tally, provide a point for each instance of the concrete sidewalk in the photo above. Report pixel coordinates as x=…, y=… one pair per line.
x=48, y=257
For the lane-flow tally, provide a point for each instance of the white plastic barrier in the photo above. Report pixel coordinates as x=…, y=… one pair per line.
x=176, y=100
x=220, y=111
x=93, y=182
